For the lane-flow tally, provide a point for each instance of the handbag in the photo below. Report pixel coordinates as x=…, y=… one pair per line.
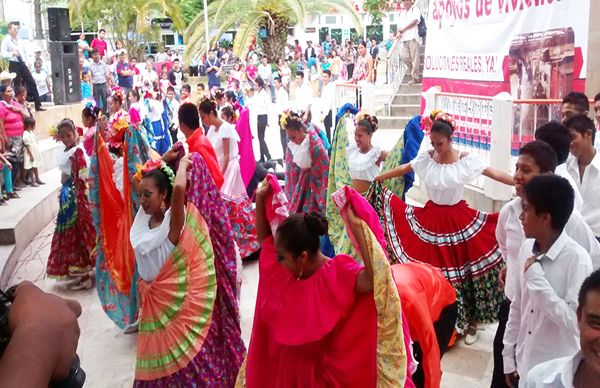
x=422, y=27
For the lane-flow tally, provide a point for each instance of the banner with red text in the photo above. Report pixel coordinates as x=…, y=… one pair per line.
x=529, y=48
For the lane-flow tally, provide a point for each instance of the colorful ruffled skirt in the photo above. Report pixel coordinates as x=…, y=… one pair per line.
x=457, y=239
x=239, y=208
x=72, y=252
x=176, y=311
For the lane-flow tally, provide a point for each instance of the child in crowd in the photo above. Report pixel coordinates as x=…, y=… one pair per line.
x=164, y=83
x=33, y=157
x=6, y=189
x=542, y=322
x=171, y=108
x=72, y=253
x=86, y=85
x=186, y=94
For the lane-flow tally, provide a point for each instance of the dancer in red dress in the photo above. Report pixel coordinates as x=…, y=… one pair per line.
x=447, y=233
x=72, y=254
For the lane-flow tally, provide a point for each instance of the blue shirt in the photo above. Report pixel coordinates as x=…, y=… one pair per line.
x=213, y=78
x=86, y=90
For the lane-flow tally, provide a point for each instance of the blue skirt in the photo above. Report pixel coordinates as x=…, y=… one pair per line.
x=161, y=137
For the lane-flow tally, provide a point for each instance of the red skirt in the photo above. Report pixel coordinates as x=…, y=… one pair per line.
x=457, y=239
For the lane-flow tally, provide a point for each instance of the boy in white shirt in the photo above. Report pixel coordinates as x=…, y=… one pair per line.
x=535, y=158
x=584, y=168
x=542, y=320
x=583, y=368
x=282, y=103
x=559, y=138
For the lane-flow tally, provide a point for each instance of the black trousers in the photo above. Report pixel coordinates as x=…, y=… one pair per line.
x=498, y=380
x=262, y=121
x=328, y=122
x=350, y=70
x=444, y=328
x=25, y=79
x=100, y=93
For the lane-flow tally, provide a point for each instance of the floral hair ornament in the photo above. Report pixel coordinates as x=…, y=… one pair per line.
x=117, y=92
x=445, y=117
x=117, y=127
x=290, y=115
x=90, y=105
x=362, y=115
x=53, y=132
x=151, y=165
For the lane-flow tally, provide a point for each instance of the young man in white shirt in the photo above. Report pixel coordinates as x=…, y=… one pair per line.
x=327, y=102
x=282, y=103
x=265, y=71
x=542, y=322
x=559, y=138
x=574, y=104
x=408, y=30
x=535, y=158
x=584, y=168
x=583, y=368
x=302, y=97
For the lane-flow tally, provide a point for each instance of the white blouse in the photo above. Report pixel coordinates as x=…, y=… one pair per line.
x=152, y=247
x=445, y=182
x=226, y=131
x=363, y=166
x=301, y=153
x=118, y=174
x=64, y=159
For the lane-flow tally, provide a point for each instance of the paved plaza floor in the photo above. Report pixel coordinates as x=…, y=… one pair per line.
x=108, y=355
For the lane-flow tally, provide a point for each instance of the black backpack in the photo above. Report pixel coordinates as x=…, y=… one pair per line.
x=422, y=28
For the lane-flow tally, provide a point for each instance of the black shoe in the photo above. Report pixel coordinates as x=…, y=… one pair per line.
x=39, y=109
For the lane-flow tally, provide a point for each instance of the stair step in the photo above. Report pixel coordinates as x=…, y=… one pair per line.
x=407, y=98
x=393, y=122
x=406, y=88
x=49, y=148
x=405, y=109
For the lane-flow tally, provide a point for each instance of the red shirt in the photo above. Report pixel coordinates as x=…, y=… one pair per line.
x=424, y=293
x=100, y=45
x=13, y=121
x=198, y=142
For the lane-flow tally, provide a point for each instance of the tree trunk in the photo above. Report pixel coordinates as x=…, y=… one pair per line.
x=274, y=44
x=37, y=12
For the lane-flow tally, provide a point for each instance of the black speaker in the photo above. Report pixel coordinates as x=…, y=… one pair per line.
x=66, y=82
x=58, y=24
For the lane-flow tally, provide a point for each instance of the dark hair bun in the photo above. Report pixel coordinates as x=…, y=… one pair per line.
x=369, y=124
x=208, y=106
x=316, y=223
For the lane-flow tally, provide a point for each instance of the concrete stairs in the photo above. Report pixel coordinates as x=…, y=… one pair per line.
x=405, y=105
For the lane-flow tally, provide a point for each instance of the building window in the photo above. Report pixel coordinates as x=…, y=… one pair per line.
x=168, y=39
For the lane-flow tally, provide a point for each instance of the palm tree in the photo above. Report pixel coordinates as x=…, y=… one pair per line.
x=128, y=21
x=249, y=16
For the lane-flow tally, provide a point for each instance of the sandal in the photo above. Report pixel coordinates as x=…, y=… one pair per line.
x=13, y=195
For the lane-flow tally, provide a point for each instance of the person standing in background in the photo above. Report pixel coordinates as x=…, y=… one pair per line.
x=124, y=74
x=213, y=68
x=100, y=80
x=42, y=82
x=411, y=41
x=13, y=50
x=265, y=71
x=327, y=102
x=282, y=100
x=176, y=77
x=374, y=51
x=99, y=43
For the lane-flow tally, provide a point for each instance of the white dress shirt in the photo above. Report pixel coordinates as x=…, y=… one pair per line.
x=282, y=99
x=561, y=170
x=261, y=103
x=510, y=236
x=589, y=187
x=303, y=98
x=404, y=19
x=542, y=324
x=327, y=98
x=9, y=45
x=557, y=373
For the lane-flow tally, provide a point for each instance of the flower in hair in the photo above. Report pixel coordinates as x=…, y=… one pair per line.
x=158, y=164
x=447, y=118
x=117, y=126
x=53, y=132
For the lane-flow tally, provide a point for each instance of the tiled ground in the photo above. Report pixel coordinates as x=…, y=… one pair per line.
x=108, y=356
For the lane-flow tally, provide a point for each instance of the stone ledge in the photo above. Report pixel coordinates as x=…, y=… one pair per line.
x=22, y=219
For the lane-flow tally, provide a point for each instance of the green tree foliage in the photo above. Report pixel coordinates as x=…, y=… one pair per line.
x=128, y=21
x=248, y=17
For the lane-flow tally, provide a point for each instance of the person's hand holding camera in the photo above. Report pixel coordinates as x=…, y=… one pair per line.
x=44, y=336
